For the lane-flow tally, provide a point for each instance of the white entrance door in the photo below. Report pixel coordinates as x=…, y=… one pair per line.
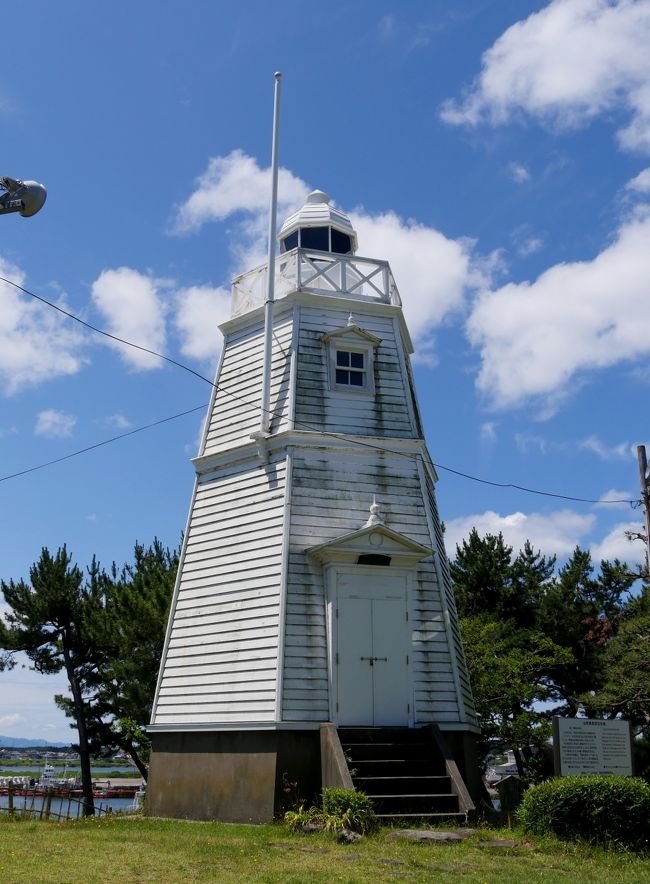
x=371, y=654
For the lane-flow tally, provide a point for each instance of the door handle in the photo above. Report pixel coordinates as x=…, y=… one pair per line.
x=373, y=660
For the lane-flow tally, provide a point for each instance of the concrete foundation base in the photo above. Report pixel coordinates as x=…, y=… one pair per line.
x=252, y=776
x=234, y=776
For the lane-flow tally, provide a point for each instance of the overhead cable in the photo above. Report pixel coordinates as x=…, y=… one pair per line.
x=271, y=412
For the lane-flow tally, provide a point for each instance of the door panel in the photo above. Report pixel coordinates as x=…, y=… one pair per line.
x=355, y=689
x=371, y=649
x=390, y=686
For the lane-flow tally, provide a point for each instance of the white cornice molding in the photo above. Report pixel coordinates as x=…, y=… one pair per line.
x=308, y=439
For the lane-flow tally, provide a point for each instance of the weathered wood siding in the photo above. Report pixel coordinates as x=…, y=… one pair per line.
x=234, y=417
x=331, y=494
x=383, y=414
x=221, y=662
x=461, y=666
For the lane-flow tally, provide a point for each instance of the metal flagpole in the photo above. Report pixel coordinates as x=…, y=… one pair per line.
x=265, y=421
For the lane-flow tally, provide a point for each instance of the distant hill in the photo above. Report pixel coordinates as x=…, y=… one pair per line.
x=21, y=743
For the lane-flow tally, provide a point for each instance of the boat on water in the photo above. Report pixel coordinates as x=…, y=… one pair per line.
x=62, y=786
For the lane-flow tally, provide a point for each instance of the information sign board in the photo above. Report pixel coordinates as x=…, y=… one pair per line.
x=591, y=746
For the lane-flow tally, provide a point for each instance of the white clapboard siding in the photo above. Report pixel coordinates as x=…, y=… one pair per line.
x=224, y=639
x=234, y=417
x=331, y=495
x=386, y=413
x=463, y=675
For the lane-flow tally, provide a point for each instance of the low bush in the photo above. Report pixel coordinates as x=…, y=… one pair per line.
x=341, y=809
x=348, y=809
x=607, y=810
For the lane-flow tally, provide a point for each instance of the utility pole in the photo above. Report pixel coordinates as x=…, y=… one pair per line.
x=645, y=498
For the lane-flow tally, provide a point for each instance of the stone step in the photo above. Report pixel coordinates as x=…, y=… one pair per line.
x=389, y=804
x=400, y=785
x=394, y=767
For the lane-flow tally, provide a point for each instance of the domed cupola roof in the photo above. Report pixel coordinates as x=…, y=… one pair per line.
x=318, y=225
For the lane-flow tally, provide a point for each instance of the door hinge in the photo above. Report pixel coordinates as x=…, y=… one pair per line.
x=407, y=659
x=408, y=707
x=407, y=616
x=337, y=706
x=337, y=613
x=337, y=659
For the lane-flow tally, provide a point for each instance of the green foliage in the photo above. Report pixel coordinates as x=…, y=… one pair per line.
x=49, y=620
x=341, y=809
x=508, y=668
x=626, y=665
x=605, y=810
x=128, y=633
x=297, y=819
x=348, y=809
x=534, y=636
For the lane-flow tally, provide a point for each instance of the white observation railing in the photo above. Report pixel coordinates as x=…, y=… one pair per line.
x=318, y=273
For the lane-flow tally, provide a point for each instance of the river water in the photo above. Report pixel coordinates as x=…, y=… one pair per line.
x=60, y=805
x=8, y=770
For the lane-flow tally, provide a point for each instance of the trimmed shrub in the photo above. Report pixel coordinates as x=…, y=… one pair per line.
x=606, y=810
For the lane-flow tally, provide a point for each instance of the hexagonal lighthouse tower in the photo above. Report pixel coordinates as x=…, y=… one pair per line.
x=313, y=619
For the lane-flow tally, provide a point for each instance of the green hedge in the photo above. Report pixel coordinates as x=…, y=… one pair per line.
x=600, y=809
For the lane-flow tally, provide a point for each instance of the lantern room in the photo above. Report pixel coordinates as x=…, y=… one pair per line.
x=318, y=226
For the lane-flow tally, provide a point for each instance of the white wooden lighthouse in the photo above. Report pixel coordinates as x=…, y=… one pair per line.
x=314, y=590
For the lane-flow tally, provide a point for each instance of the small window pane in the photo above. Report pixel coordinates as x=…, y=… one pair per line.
x=342, y=377
x=315, y=238
x=291, y=241
x=342, y=358
x=341, y=242
x=356, y=379
x=356, y=360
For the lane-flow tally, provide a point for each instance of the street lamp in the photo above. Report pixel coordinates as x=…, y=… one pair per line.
x=24, y=197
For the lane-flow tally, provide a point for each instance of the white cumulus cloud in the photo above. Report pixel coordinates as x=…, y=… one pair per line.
x=641, y=183
x=233, y=184
x=564, y=65
x=607, y=500
x=616, y=545
x=133, y=308
x=536, y=338
x=553, y=533
x=433, y=273
x=37, y=344
x=199, y=312
x=54, y=424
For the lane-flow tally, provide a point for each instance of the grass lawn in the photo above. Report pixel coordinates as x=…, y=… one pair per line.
x=123, y=849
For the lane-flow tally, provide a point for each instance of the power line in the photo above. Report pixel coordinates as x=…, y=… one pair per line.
x=49, y=463
x=256, y=407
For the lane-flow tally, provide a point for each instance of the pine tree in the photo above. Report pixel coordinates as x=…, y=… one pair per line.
x=48, y=619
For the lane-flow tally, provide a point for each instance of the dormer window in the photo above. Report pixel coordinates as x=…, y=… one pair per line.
x=350, y=368
x=350, y=358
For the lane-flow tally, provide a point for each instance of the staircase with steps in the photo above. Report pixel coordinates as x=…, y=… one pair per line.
x=403, y=771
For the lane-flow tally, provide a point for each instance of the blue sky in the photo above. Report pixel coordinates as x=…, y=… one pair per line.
x=497, y=153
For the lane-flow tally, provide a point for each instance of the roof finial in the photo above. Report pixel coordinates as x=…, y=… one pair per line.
x=375, y=518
